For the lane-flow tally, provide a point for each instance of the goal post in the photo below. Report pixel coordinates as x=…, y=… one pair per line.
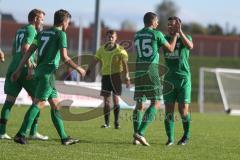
x=219, y=90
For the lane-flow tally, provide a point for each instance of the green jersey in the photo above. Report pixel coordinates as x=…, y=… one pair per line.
x=148, y=42
x=49, y=43
x=24, y=35
x=177, y=62
x=147, y=81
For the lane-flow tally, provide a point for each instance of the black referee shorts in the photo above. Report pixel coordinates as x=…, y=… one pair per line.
x=111, y=83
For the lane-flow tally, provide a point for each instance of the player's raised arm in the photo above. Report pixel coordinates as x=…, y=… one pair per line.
x=171, y=45
x=175, y=30
x=66, y=59
x=187, y=42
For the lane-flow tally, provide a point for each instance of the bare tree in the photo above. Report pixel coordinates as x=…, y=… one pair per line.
x=128, y=25
x=164, y=10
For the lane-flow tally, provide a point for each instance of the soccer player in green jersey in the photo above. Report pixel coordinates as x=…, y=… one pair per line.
x=148, y=41
x=23, y=39
x=2, y=59
x=113, y=58
x=52, y=46
x=180, y=77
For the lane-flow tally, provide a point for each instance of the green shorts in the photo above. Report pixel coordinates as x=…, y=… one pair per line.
x=180, y=93
x=14, y=88
x=46, y=87
x=148, y=87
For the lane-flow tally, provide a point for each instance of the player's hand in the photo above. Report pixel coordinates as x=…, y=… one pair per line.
x=15, y=76
x=177, y=34
x=178, y=26
x=2, y=59
x=128, y=82
x=31, y=65
x=81, y=71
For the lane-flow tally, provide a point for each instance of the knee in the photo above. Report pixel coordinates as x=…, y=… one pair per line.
x=116, y=100
x=185, y=113
x=183, y=109
x=41, y=105
x=139, y=106
x=116, y=106
x=156, y=104
x=107, y=102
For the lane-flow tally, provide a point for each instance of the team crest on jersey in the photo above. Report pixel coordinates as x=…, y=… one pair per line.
x=174, y=55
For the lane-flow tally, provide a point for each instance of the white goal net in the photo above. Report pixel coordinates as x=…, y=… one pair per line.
x=219, y=90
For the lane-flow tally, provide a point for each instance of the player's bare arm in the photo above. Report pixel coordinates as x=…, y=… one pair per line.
x=126, y=72
x=171, y=45
x=30, y=65
x=2, y=59
x=185, y=40
x=24, y=50
x=25, y=58
x=174, y=27
x=69, y=61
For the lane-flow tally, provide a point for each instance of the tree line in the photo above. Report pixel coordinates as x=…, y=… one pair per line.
x=168, y=8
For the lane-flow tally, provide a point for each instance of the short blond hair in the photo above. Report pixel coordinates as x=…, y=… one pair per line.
x=34, y=13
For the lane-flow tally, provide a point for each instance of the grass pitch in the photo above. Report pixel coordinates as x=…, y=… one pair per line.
x=213, y=136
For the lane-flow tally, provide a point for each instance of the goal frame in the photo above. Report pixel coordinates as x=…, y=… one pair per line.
x=216, y=71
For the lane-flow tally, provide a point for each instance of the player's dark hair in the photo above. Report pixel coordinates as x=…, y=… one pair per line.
x=148, y=18
x=60, y=16
x=111, y=32
x=174, y=18
x=34, y=13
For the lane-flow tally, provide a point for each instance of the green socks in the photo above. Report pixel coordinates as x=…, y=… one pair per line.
x=186, y=125
x=5, y=115
x=58, y=123
x=28, y=119
x=34, y=127
x=169, y=125
x=148, y=117
x=137, y=119
x=31, y=117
